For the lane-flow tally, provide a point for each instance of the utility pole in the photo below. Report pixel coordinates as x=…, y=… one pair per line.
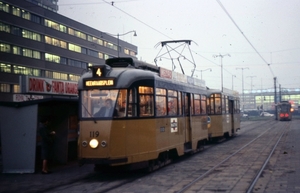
x=275, y=98
x=251, y=81
x=243, y=84
x=221, y=56
x=232, y=81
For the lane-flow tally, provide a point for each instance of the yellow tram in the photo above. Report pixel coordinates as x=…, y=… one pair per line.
x=137, y=115
x=224, y=112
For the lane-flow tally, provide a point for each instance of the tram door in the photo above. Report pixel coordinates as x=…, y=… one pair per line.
x=187, y=114
x=231, y=112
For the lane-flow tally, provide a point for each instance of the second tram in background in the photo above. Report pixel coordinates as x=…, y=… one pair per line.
x=224, y=112
x=284, y=110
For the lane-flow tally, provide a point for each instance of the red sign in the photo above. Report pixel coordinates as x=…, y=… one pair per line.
x=48, y=86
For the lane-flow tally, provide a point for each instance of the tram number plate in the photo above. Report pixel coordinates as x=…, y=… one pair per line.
x=94, y=133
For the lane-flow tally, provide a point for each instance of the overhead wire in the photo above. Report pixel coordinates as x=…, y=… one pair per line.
x=245, y=36
x=112, y=4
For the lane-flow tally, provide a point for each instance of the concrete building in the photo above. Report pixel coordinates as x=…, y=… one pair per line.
x=42, y=56
x=38, y=42
x=265, y=99
x=47, y=4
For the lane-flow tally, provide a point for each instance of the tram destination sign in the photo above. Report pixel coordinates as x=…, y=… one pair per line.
x=38, y=85
x=98, y=82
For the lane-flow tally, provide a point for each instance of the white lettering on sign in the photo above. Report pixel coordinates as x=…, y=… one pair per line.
x=99, y=83
x=99, y=73
x=49, y=86
x=21, y=97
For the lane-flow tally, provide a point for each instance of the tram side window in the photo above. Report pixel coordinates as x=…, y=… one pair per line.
x=210, y=105
x=146, y=101
x=132, y=103
x=186, y=104
x=218, y=104
x=203, y=104
x=227, y=104
x=223, y=104
x=179, y=103
x=161, y=99
x=197, y=104
x=172, y=102
x=192, y=104
x=121, y=103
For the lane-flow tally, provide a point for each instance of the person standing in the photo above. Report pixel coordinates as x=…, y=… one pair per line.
x=47, y=144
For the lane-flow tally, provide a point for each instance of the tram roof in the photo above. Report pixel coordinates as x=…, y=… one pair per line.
x=123, y=72
x=126, y=76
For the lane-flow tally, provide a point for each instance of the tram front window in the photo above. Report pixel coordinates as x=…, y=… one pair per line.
x=102, y=103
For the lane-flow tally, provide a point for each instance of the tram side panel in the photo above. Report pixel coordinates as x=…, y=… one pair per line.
x=140, y=140
x=216, y=127
x=227, y=125
x=173, y=129
x=237, y=121
x=199, y=130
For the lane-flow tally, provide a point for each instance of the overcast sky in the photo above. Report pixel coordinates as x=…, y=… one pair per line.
x=261, y=36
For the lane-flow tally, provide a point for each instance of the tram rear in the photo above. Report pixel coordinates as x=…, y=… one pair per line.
x=224, y=112
x=284, y=110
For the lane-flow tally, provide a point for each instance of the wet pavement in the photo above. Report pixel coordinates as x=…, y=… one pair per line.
x=284, y=175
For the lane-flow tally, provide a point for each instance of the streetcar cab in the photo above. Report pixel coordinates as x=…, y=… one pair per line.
x=135, y=117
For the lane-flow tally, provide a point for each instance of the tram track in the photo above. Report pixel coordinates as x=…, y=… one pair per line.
x=192, y=186
x=232, y=165
x=257, y=126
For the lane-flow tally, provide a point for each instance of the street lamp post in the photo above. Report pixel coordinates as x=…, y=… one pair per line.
x=243, y=84
x=203, y=71
x=118, y=35
x=251, y=82
x=221, y=56
x=232, y=80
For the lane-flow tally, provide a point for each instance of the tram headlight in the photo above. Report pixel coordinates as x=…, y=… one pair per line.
x=94, y=143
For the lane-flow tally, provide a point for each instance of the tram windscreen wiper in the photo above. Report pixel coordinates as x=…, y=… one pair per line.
x=89, y=112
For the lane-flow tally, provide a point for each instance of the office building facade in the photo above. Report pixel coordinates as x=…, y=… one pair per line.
x=38, y=42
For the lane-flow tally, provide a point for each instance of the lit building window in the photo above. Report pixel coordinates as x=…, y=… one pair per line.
x=16, y=11
x=31, y=35
x=55, y=25
x=16, y=50
x=5, y=67
x=16, y=88
x=27, y=52
x=26, y=71
x=52, y=58
x=74, y=48
x=4, y=27
x=25, y=15
x=4, y=88
x=74, y=77
x=5, y=48
x=36, y=55
x=4, y=7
